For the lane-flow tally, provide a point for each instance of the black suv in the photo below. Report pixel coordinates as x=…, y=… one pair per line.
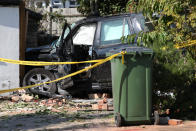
x=88, y=39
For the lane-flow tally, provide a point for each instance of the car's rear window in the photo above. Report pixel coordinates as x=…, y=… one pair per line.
x=113, y=30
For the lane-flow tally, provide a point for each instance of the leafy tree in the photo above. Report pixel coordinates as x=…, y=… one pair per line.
x=102, y=7
x=174, y=69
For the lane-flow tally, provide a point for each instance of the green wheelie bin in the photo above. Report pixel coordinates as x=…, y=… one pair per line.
x=132, y=85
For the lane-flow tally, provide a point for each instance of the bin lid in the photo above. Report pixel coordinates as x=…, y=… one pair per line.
x=131, y=50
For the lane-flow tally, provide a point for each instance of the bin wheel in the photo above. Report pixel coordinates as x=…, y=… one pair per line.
x=118, y=120
x=156, y=118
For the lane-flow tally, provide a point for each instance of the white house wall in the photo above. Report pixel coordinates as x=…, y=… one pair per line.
x=9, y=47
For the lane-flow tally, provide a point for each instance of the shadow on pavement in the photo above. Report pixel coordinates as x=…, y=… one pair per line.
x=55, y=121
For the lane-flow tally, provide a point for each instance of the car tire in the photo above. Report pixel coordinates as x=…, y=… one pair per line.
x=40, y=75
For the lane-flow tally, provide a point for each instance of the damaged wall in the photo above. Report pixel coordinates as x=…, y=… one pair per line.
x=12, y=42
x=9, y=46
x=32, y=35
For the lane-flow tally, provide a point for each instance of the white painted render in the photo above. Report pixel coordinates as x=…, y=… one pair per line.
x=9, y=47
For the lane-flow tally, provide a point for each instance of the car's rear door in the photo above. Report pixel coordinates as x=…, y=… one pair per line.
x=109, y=33
x=108, y=36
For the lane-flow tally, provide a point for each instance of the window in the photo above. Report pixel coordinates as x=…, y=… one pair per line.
x=85, y=35
x=68, y=30
x=73, y=3
x=112, y=31
x=139, y=24
x=64, y=35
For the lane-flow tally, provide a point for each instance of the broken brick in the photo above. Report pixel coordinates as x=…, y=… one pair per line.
x=43, y=102
x=60, y=103
x=26, y=98
x=105, y=107
x=50, y=101
x=110, y=108
x=36, y=100
x=63, y=100
x=101, y=102
x=21, y=91
x=95, y=95
x=100, y=106
x=174, y=122
x=95, y=107
x=106, y=95
x=55, y=110
x=105, y=100
x=15, y=98
x=54, y=101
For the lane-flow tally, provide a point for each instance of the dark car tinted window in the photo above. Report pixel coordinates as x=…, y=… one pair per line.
x=112, y=31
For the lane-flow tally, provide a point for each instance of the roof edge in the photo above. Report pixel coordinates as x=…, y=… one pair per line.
x=10, y=2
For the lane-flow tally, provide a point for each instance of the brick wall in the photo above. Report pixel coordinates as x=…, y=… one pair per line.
x=38, y=32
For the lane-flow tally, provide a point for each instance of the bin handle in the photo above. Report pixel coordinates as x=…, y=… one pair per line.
x=123, y=56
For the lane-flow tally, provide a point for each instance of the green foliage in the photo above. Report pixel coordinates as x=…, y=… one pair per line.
x=48, y=17
x=181, y=14
x=174, y=69
x=105, y=7
x=57, y=17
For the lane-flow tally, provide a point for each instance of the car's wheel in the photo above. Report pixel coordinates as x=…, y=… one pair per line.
x=39, y=75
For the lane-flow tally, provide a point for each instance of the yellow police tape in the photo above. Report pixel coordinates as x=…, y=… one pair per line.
x=189, y=43
x=40, y=63
x=182, y=45
x=70, y=75
x=98, y=62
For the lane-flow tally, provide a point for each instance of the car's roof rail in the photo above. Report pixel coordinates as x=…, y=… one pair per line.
x=97, y=18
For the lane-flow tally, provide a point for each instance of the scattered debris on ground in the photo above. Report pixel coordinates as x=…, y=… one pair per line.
x=46, y=111
x=25, y=112
x=174, y=122
x=28, y=104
